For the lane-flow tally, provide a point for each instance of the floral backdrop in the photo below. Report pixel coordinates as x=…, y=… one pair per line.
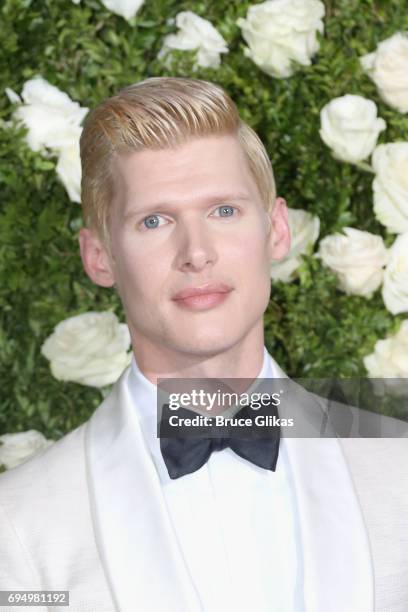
x=325, y=85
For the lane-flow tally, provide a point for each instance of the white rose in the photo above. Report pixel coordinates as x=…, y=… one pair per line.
x=198, y=34
x=281, y=32
x=395, y=288
x=69, y=170
x=388, y=68
x=89, y=349
x=390, y=360
x=124, y=8
x=357, y=257
x=304, y=231
x=350, y=127
x=390, y=164
x=53, y=122
x=18, y=447
x=51, y=117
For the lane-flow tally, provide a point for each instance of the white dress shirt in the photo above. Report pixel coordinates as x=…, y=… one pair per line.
x=236, y=523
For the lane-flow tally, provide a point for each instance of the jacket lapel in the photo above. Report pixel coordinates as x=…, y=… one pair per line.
x=338, y=569
x=139, y=551
x=138, y=547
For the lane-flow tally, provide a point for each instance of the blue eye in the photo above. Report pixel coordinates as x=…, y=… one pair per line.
x=226, y=211
x=151, y=222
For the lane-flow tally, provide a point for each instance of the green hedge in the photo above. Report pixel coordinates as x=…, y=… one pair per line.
x=311, y=328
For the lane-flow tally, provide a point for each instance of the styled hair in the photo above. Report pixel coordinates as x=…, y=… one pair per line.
x=159, y=113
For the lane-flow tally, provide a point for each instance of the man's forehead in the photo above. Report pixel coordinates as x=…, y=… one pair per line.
x=153, y=173
x=205, y=147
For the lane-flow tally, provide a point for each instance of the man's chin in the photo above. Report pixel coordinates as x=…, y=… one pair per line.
x=204, y=351
x=205, y=348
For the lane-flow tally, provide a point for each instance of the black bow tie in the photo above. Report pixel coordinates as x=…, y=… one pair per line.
x=185, y=455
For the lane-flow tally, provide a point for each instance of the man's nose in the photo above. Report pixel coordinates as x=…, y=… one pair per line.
x=195, y=246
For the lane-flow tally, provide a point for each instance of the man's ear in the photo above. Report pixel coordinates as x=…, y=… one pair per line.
x=95, y=258
x=279, y=232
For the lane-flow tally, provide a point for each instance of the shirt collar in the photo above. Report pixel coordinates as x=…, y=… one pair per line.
x=144, y=400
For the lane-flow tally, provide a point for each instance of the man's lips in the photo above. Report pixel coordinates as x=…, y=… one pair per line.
x=209, y=288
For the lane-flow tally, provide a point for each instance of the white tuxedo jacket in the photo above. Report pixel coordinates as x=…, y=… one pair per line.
x=88, y=516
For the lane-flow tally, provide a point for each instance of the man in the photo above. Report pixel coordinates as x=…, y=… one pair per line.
x=182, y=218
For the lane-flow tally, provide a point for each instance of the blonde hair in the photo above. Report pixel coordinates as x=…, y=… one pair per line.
x=159, y=113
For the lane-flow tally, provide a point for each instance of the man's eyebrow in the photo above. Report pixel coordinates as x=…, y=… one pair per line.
x=208, y=201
